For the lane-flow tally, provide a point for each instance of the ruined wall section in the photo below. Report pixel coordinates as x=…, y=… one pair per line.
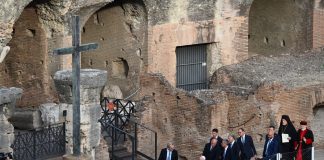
x=9, y=12
x=224, y=23
x=318, y=24
x=120, y=29
x=277, y=27
x=26, y=64
x=291, y=85
x=178, y=117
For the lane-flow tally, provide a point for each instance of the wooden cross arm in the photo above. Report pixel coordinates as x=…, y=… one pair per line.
x=70, y=50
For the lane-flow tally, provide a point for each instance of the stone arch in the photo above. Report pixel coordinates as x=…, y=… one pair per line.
x=26, y=64
x=317, y=124
x=120, y=29
x=280, y=26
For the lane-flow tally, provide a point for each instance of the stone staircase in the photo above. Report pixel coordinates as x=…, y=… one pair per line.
x=119, y=128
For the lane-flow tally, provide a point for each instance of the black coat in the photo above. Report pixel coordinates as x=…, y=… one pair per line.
x=214, y=154
x=228, y=155
x=291, y=131
x=163, y=154
x=308, y=135
x=247, y=149
x=306, y=147
x=273, y=148
x=235, y=151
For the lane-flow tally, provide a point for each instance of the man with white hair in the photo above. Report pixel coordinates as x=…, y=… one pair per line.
x=168, y=153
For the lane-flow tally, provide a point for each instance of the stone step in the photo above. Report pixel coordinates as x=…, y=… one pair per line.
x=122, y=154
x=117, y=148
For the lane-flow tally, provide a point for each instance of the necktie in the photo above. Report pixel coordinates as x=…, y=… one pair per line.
x=268, y=146
x=169, y=155
x=243, y=140
x=224, y=153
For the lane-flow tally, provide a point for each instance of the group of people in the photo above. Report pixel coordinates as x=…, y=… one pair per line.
x=292, y=144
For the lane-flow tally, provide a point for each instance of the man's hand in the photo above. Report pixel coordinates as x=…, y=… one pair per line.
x=304, y=139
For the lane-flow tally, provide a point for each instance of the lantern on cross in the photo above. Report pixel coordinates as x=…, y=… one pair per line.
x=110, y=106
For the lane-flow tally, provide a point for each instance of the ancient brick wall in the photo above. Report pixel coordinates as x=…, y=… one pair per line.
x=318, y=24
x=178, y=117
x=120, y=29
x=187, y=118
x=278, y=27
x=26, y=64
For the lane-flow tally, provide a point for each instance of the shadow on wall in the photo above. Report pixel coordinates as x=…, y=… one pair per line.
x=321, y=4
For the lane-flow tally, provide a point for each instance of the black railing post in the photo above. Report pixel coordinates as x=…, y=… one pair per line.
x=133, y=148
x=135, y=136
x=64, y=139
x=116, y=124
x=34, y=144
x=49, y=137
x=155, y=139
x=112, y=143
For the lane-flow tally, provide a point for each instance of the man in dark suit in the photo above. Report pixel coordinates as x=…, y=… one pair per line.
x=246, y=145
x=214, y=134
x=271, y=145
x=235, y=149
x=168, y=153
x=212, y=151
x=227, y=155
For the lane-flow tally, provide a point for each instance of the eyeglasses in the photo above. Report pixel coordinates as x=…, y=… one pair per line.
x=239, y=132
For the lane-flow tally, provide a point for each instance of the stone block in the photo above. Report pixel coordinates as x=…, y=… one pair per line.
x=91, y=82
x=6, y=134
x=27, y=119
x=8, y=97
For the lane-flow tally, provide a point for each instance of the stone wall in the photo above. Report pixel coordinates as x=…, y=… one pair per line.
x=120, y=29
x=25, y=65
x=318, y=31
x=178, y=117
x=8, y=99
x=240, y=97
x=277, y=27
x=150, y=32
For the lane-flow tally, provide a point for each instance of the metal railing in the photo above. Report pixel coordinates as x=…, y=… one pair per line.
x=115, y=131
x=307, y=154
x=40, y=143
x=116, y=121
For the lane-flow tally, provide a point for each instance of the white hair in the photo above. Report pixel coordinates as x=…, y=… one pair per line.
x=202, y=158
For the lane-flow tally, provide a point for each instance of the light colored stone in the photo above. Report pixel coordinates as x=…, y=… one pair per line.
x=90, y=79
x=50, y=113
x=112, y=91
x=91, y=83
x=3, y=52
x=8, y=99
x=6, y=134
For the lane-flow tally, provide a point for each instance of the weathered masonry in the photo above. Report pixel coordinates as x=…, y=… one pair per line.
x=258, y=59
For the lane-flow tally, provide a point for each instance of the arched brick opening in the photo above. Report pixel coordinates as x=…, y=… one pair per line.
x=280, y=26
x=120, y=29
x=317, y=125
x=25, y=65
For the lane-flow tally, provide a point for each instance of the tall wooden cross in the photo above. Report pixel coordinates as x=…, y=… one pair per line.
x=75, y=51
